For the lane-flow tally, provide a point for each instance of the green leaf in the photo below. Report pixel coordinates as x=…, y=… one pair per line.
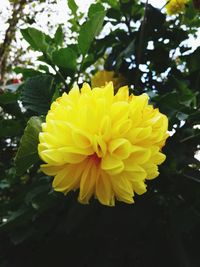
x=27, y=154
x=65, y=58
x=35, y=38
x=89, y=30
x=94, y=8
x=37, y=93
x=73, y=6
x=59, y=36
x=186, y=96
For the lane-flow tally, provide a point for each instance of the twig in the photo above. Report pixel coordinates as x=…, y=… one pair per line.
x=5, y=47
x=191, y=178
x=127, y=22
x=140, y=46
x=189, y=138
x=164, y=5
x=60, y=75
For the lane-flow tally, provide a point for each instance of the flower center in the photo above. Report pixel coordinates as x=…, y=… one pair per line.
x=95, y=159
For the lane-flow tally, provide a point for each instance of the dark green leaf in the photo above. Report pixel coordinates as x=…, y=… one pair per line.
x=65, y=58
x=27, y=154
x=37, y=93
x=94, y=8
x=35, y=38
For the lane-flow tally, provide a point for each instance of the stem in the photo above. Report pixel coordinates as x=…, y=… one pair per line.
x=57, y=71
x=141, y=44
x=164, y=5
x=127, y=22
x=60, y=75
x=189, y=138
x=191, y=178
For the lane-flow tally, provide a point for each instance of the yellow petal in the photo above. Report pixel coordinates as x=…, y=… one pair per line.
x=112, y=165
x=138, y=135
x=105, y=128
x=122, y=127
x=135, y=173
x=99, y=146
x=104, y=191
x=119, y=111
x=72, y=154
x=151, y=170
x=122, y=94
x=158, y=158
x=139, y=187
x=68, y=178
x=86, y=89
x=74, y=93
x=81, y=138
x=51, y=169
x=120, y=148
x=139, y=156
x=52, y=156
x=122, y=188
x=88, y=180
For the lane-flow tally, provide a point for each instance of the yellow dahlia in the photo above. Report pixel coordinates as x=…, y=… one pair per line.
x=103, y=144
x=102, y=77
x=176, y=6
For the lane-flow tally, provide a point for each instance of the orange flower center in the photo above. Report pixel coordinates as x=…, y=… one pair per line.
x=95, y=159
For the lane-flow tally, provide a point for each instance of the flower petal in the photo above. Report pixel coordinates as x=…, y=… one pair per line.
x=112, y=165
x=88, y=180
x=120, y=148
x=122, y=188
x=104, y=191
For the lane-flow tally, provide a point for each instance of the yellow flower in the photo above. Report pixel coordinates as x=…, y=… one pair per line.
x=102, y=77
x=175, y=6
x=103, y=144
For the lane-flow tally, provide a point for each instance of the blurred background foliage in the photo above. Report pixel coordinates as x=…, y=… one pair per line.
x=153, y=54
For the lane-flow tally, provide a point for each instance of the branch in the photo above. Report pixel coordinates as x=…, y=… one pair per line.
x=141, y=44
x=9, y=36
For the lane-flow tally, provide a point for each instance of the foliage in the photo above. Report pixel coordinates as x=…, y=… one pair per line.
x=154, y=55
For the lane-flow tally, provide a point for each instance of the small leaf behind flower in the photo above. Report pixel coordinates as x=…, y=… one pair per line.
x=27, y=154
